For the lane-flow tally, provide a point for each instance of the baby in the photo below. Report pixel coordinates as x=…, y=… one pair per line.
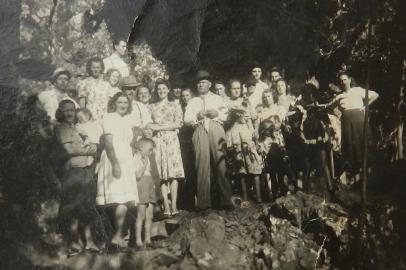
x=89, y=129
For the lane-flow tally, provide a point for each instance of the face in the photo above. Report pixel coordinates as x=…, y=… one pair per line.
x=275, y=76
x=148, y=133
x=162, y=91
x=257, y=73
x=203, y=86
x=130, y=92
x=62, y=82
x=235, y=90
x=96, y=69
x=121, y=48
x=186, y=96
x=68, y=111
x=277, y=125
x=220, y=89
x=122, y=105
x=268, y=98
x=345, y=82
x=83, y=117
x=177, y=92
x=146, y=149
x=144, y=95
x=251, y=89
x=114, y=78
x=281, y=88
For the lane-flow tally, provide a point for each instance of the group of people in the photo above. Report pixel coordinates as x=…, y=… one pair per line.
x=122, y=146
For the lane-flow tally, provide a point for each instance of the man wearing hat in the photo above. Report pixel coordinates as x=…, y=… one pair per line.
x=49, y=99
x=140, y=112
x=206, y=114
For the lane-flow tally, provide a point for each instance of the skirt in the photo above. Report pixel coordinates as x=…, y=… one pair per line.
x=78, y=196
x=352, y=128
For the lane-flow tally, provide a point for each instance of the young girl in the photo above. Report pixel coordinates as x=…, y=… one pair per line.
x=146, y=190
x=272, y=146
x=244, y=158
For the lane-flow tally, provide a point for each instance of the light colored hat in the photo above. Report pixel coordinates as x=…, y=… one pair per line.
x=60, y=71
x=130, y=81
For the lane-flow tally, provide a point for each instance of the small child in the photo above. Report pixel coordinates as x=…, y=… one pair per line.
x=243, y=156
x=90, y=130
x=143, y=149
x=272, y=146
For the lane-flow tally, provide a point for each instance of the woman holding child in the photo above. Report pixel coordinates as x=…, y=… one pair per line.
x=168, y=119
x=77, y=208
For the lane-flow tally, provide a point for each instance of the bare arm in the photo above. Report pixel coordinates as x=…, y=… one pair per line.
x=372, y=96
x=76, y=149
x=111, y=154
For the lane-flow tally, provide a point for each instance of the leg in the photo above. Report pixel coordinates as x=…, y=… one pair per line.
x=73, y=235
x=257, y=183
x=243, y=187
x=218, y=152
x=120, y=215
x=202, y=153
x=138, y=224
x=174, y=195
x=165, y=191
x=148, y=223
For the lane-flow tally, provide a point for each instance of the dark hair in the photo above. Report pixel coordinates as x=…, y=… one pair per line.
x=286, y=84
x=94, y=60
x=85, y=111
x=161, y=81
x=116, y=41
x=59, y=113
x=112, y=103
x=275, y=69
x=230, y=82
x=110, y=71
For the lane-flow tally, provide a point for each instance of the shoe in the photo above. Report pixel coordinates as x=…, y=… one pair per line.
x=175, y=213
x=167, y=215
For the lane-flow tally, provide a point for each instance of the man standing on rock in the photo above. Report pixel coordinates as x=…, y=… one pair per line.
x=206, y=114
x=116, y=59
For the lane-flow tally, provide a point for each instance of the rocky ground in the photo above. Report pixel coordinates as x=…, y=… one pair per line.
x=298, y=231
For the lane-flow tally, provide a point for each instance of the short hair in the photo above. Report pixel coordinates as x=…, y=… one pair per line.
x=59, y=113
x=110, y=71
x=85, y=111
x=275, y=69
x=343, y=73
x=265, y=92
x=138, y=143
x=112, y=103
x=94, y=60
x=117, y=40
x=232, y=80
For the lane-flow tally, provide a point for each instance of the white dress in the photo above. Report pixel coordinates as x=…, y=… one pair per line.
x=124, y=189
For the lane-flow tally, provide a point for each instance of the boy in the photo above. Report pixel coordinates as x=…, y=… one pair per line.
x=146, y=190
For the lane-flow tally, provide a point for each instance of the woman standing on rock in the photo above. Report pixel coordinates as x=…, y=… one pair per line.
x=167, y=118
x=117, y=184
x=77, y=208
x=94, y=90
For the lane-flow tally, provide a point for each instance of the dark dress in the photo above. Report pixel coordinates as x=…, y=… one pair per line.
x=78, y=184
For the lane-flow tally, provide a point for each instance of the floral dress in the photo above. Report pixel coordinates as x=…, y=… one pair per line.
x=168, y=153
x=97, y=93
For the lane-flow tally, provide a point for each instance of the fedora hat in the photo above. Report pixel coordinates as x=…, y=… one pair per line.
x=202, y=75
x=59, y=71
x=130, y=81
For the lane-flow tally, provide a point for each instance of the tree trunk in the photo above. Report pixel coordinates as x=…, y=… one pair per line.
x=400, y=117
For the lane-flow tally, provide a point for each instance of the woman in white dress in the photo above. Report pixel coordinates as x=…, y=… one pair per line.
x=117, y=184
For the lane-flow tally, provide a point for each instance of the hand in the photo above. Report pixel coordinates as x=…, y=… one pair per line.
x=212, y=114
x=116, y=170
x=201, y=115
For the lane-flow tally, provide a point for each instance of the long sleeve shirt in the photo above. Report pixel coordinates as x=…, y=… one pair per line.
x=206, y=102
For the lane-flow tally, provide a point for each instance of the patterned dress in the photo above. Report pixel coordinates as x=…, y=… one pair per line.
x=97, y=93
x=168, y=153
